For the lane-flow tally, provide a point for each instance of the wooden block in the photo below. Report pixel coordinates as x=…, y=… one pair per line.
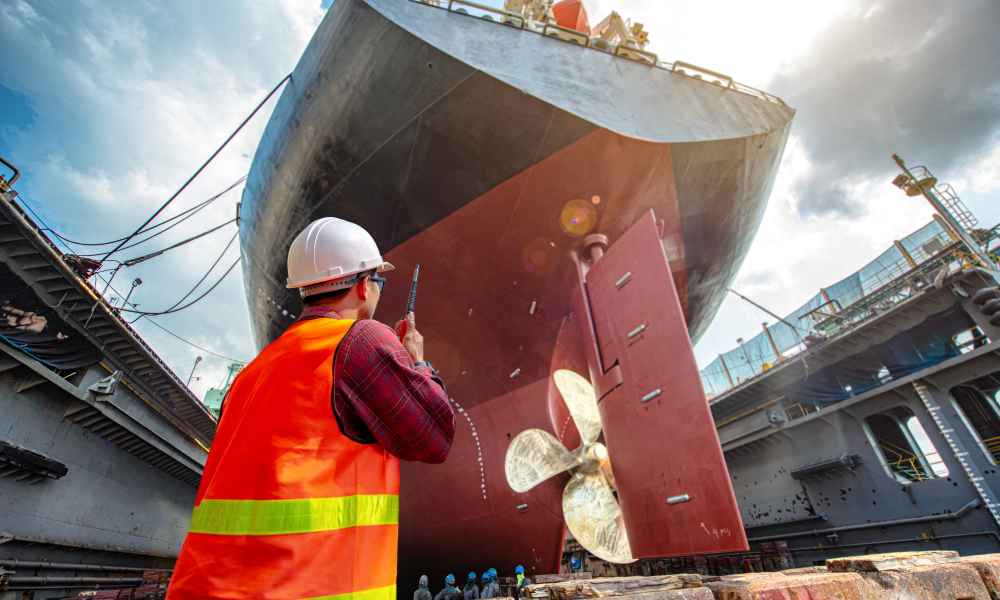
x=988, y=567
x=951, y=581
x=557, y=577
x=806, y=570
x=890, y=561
x=605, y=587
x=778, y=586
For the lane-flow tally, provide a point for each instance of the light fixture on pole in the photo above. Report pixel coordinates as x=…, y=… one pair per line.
x=197, y=360
x=135, y=283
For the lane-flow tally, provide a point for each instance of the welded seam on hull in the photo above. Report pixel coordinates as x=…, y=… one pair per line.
x=479, y=448
x=527, y=180
x=406, y=180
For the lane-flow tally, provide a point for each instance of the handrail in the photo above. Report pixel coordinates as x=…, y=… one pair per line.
x=648, y=57
x=17, y=173
x=620, y=50
x=679, y=64
x=478, y=6
x=583, y=39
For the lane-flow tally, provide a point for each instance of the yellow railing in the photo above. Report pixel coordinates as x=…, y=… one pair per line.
x=799, y=410
x=993, y=446
x=903, y=462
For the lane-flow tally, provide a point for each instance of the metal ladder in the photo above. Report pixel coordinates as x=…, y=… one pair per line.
x=946, y=194
x=958, y=449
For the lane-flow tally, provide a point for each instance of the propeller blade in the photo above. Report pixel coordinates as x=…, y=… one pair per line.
x=581, y=401
x=533, y=456
x=594, y=518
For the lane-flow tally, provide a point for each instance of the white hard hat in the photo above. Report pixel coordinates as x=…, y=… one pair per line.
x=327, y=252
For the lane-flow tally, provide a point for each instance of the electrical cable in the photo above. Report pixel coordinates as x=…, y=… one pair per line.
x=183, y=216
x=131, y=262
x=795, y=330
x=765, y=310
x=189, y=304
x=194, y=345
x=41, y=221
x=157, y=212
x=24, y=202
x=194, y=210
x=179, y=337
x=207, y=273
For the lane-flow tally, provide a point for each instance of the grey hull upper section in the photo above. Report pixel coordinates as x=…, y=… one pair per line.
x=631, y=99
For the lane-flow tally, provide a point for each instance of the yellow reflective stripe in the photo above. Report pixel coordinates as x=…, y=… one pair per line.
x=275, y=517
x=383, y=593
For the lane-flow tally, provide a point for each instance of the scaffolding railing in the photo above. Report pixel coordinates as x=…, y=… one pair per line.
x=905, y=269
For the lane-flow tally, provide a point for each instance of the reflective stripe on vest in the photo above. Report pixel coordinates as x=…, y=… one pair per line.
x=275, y=517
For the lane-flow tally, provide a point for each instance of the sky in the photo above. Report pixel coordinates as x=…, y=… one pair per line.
x=107, y=107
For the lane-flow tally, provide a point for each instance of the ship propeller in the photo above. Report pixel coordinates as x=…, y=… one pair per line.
x=589, y=503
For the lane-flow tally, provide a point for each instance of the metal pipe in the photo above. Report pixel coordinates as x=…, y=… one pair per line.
x=45, y=564
x=992, y=534
x=974, y=503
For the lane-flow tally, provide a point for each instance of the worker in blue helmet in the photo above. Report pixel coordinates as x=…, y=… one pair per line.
x=520, y=580
x=471, y=591
x=491, y=589
x=422, y=592
x=449, y=592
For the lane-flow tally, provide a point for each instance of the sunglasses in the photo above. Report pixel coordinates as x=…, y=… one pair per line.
x=378, y=280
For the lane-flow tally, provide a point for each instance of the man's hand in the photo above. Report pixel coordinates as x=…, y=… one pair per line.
x=410, y=337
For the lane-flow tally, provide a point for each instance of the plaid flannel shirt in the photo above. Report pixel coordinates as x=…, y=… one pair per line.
x=380, y=397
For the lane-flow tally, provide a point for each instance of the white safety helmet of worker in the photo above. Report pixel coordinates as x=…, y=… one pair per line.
x=328, y=255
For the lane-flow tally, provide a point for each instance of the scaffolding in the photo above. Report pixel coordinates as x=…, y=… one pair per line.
x=907, y=268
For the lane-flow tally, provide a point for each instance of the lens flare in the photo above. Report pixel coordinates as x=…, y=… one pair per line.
x=578, y=218
x=536, y=256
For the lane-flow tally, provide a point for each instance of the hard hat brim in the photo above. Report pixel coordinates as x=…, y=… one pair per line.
x=385, y=267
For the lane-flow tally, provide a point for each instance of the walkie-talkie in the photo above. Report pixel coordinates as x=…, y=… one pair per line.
x=411, y=300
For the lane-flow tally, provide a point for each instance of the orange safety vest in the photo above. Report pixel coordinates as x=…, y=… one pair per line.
x=288, y=506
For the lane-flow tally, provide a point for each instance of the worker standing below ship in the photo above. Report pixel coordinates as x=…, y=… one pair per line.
x=491, y=589
x=471, y=591
x=520, y=581
x=300, y=494
x=423, y=592
x=449, y=591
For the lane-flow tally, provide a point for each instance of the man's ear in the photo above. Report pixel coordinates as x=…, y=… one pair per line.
x=362, y=287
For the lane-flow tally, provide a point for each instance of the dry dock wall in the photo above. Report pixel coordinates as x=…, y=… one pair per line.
x=108, y=500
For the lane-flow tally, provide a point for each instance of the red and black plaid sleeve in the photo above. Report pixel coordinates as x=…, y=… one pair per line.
x=378, y=396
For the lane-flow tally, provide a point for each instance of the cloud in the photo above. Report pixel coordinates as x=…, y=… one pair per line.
x=909, y=76
x=123, y=102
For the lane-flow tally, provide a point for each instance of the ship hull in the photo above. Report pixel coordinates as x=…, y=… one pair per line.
x=485, y=153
